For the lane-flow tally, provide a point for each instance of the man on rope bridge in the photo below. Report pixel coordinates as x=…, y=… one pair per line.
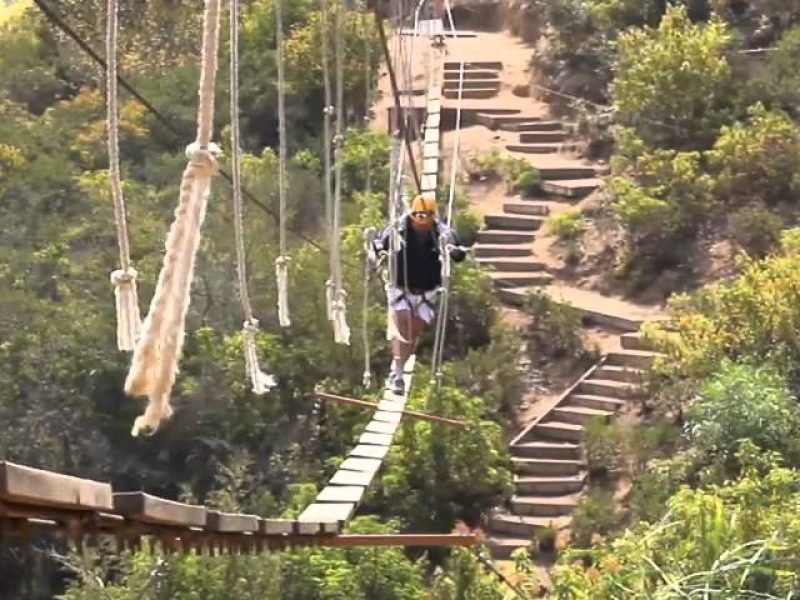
x=415, y=276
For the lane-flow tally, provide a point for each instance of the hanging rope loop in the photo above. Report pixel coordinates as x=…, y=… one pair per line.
x=282, y=274
x=129, y=318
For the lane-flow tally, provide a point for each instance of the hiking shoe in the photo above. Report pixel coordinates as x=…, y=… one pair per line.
x=397, y=384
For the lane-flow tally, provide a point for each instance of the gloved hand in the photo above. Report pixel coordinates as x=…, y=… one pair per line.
x=457, y=253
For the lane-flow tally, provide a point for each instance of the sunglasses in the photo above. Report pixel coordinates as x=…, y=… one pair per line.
x=422, y=214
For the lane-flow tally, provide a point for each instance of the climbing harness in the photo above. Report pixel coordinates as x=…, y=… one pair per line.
x=129, y=319
x=260, y=381
x=283, y=260
x=154, y=365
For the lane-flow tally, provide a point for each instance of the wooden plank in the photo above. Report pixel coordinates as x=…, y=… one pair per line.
x=150, y=509
x=429, y=183
x=276, y=526
x=388, y=417
x=430, y=165
x=328, y=513
x=230, y=522
x=376, y=439
x=365, y=451
x=308, y=527
x=433, y=120
x=341, y=493
x=391, y=405
x=342, y=477
x=27, y=485
x=381, y=427
x=432, y=135
x=365, y=465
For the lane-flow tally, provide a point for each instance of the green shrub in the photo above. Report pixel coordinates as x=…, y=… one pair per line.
x=756, y=230
x=556, y=329
x=595, y=515
x=567, y=225
x=527, y=183
x=604, y=444
x=546, y=539
x=673, y=84
x=781, y=82
x=742, y=401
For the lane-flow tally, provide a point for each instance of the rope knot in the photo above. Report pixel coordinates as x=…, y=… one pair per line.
x=204, y=159
x=283, y=260
x=250, y=325
x=338, y=140
x=329, y=110
x=121, y=277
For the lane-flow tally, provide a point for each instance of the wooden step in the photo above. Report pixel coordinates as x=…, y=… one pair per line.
x=572, y=188
x=579, y=415
x=523, y=527
x=597, y=402
x=513, y=222
x=533, y=126
x=472, y=94
x=634, y=341
x=543, y=137
x=479, y=65
x=494, y=120
x=527, y=208
x=504, y=279
x=609, y=388
x=546, y=450
x=620, y=373
x=455, y=74
x=472, y=84
x=495, y=236
x=546, y=466
x=559, y=431
x=544, y=506
x=548, y=486
x=523, y=263
x=564, y=174
x=638, y=359
x=502, y=250
x=514, y=296
x=503, y=546
x=535, y=148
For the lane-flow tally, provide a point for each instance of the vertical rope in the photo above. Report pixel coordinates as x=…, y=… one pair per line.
x=260, y=381
x=369, y=236
x=154, y=365
x=283, y=260
x=129, y=319
x=328, y=182
x=340, y=328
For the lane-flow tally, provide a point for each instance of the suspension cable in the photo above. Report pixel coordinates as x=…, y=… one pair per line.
x=283, y=260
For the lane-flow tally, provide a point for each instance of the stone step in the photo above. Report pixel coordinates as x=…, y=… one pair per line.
x=543, y=137
x=492, y=65
x=527, y=208
x=500, y=121
x=501, y=236
x=546, y=450
x=472, y=94
x=620, y=373
x=638, y=359
x=564, y=173
x=558, y=431
x=533, y=126
x=535, y=148
x=504, y=279
x=544, y=506
x=579, y=415
x=608, y=388
x=572, y=188
x=514, y=264
x=549, y=486
x=455, y=74
x=503, y=546
x=472, y=84
x=546, y=466
x=603, y=310
x=596, y=402
x=524, y=527
x=502, y=250
x=513, y=222
x=634, y=341
x=514, y=296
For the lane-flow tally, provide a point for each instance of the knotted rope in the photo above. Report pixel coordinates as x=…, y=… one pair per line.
x=283, y=260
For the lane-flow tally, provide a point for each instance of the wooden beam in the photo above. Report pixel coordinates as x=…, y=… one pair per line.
x=27, y=485
x=374, y=406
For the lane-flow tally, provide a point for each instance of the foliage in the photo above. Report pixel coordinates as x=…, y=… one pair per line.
x=517, y=173
x=742, y=402
x=756, y=230
x=556, y=328
x=567, y=225
x=757, y=160
x=595, y=515
x=604, y=444
x=673, y=84
x=781, y=82
x=741, y=539
x=528, y=182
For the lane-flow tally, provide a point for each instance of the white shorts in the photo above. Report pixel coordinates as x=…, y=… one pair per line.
x=421, y=305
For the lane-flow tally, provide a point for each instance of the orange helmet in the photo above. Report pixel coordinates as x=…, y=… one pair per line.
x=423, y=211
